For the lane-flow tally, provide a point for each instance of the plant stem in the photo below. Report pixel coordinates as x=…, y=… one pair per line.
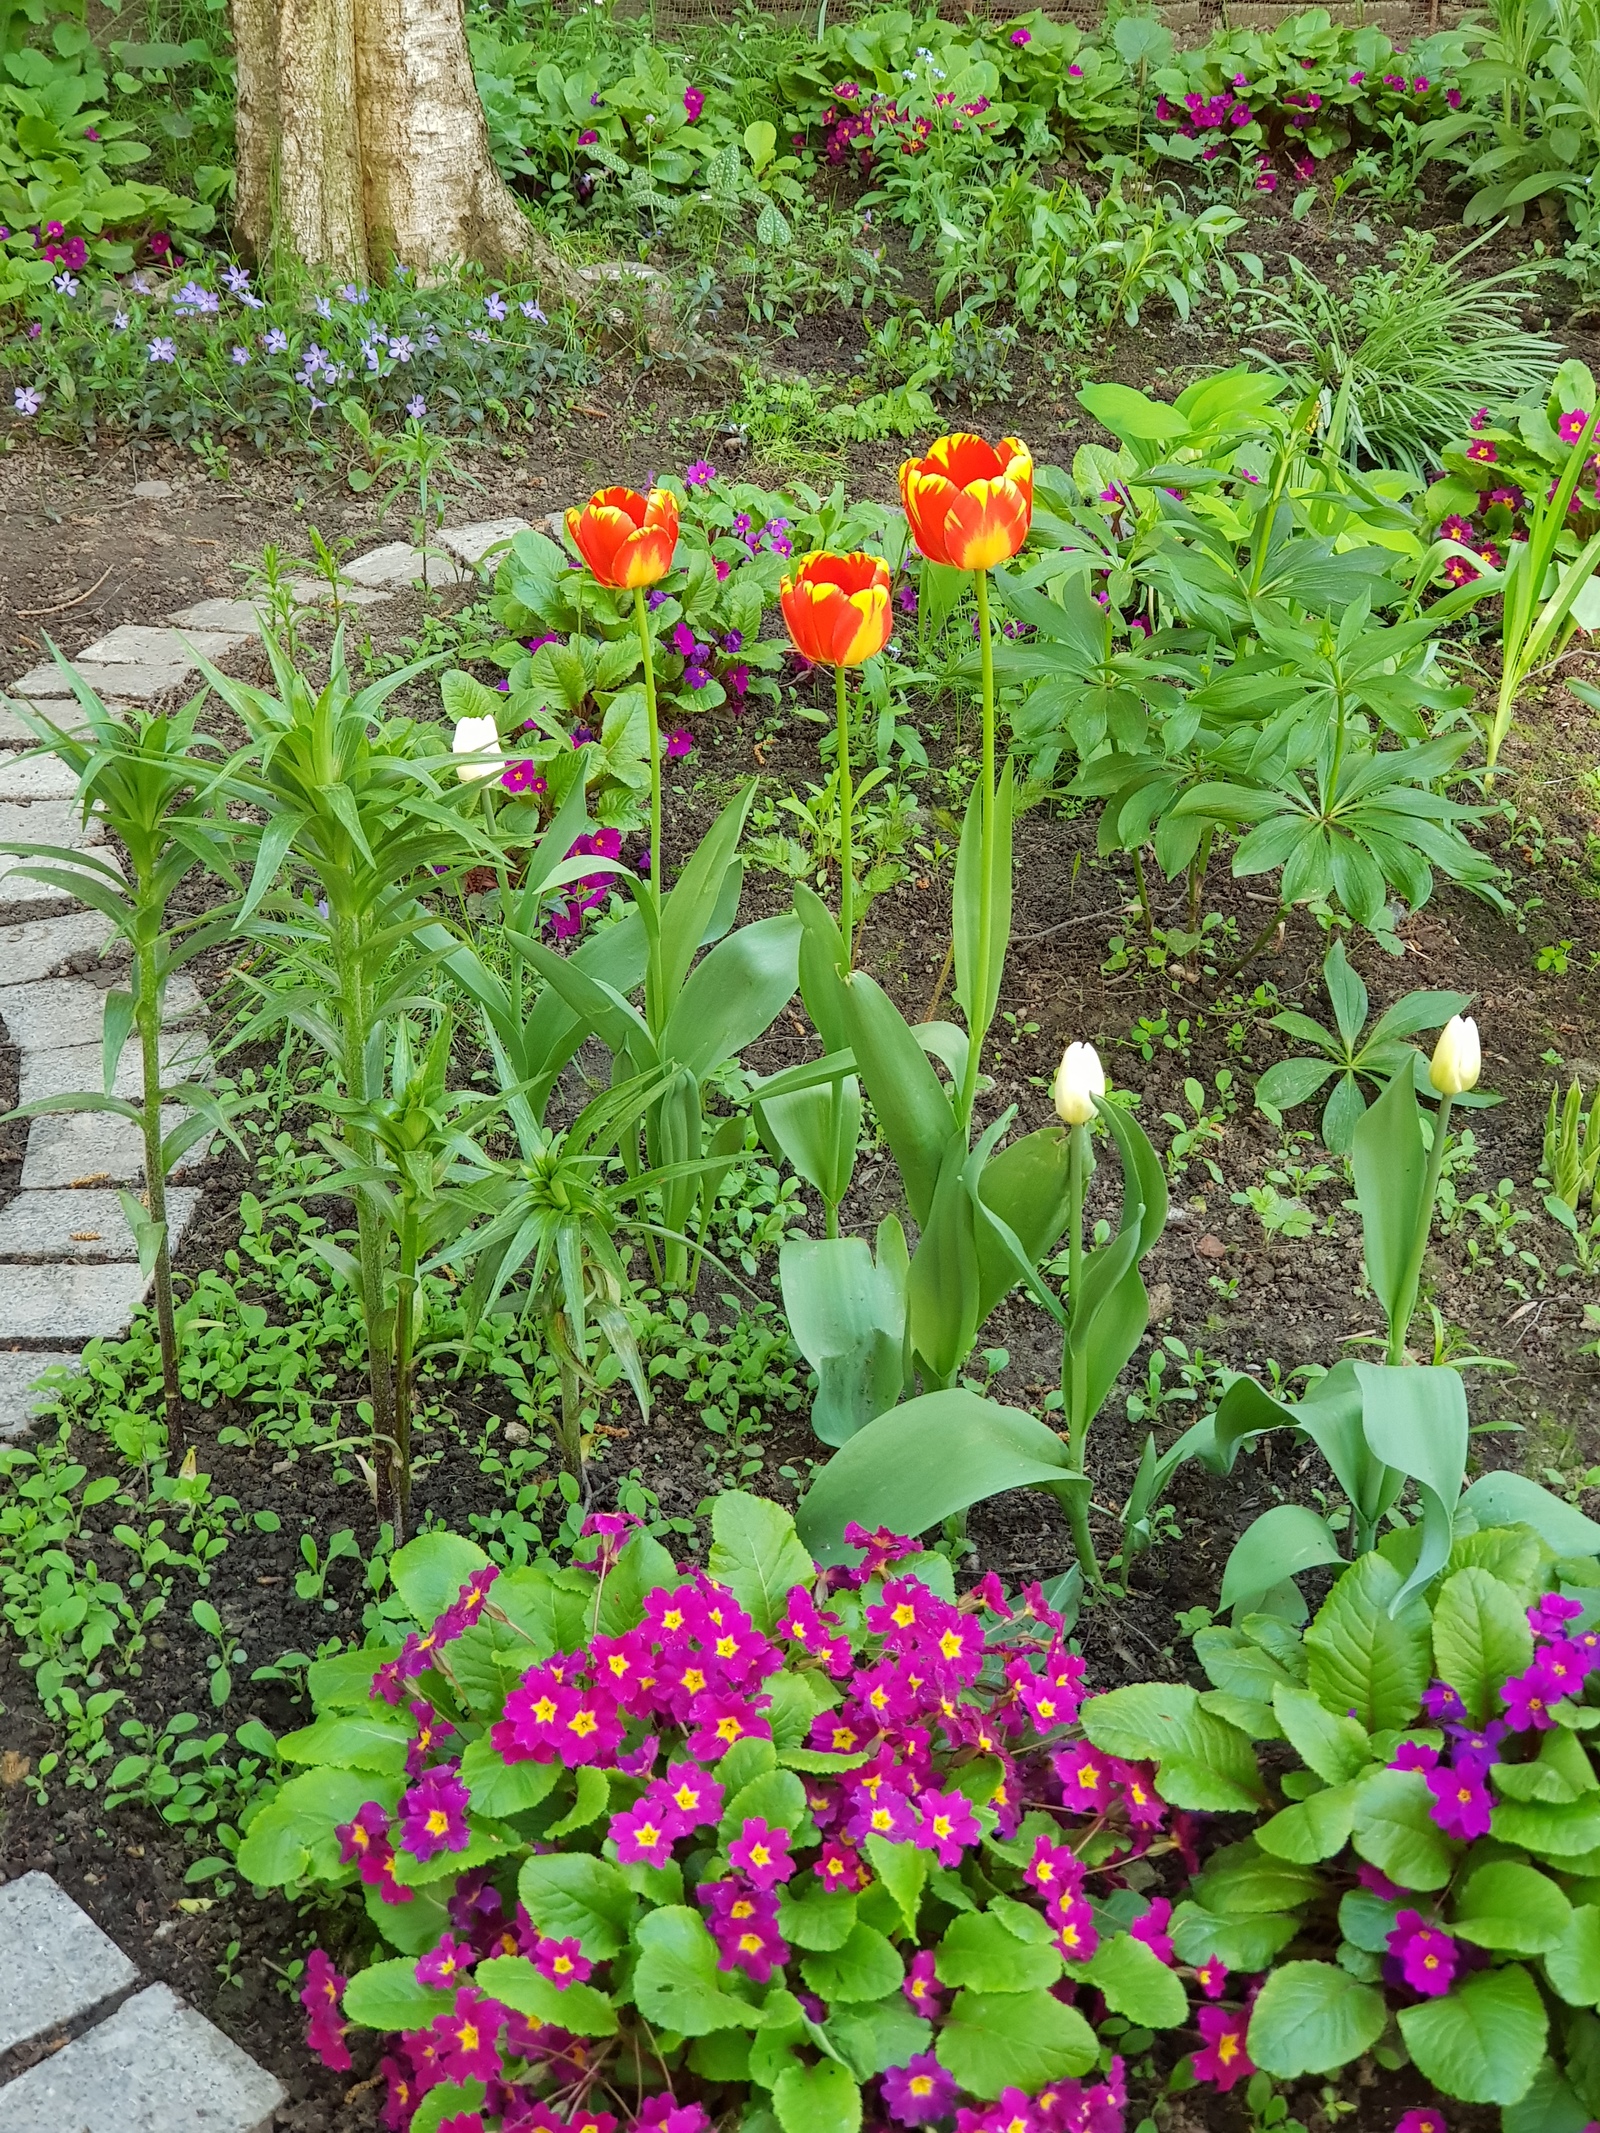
x=404, y=1346
x=1400, y=1326
x=975, y=1036
x=1144, y=892
x=392, y=1486
x=847, y=867
x=1075, y=1358
x=155, y=1193
x=655, y=1006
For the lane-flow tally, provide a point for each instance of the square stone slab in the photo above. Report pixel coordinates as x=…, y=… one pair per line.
x=137, y=645
x=59, y=1965
x=19, y=1402
x=133, y=684
x=234, y=618
x=316, y=592
x=155, y=2067
x=37, y=777
x=67, y=1225
x=398, y=565
x=64, y=712
x=472, y=543
x=70, y=1011
x=84, y=1148
x=39, y=946
x=70, y=1068
x=68, y=1303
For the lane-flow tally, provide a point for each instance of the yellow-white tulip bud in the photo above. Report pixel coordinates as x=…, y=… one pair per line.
x=1456, y=1059
x=476, y=736
x=1080, y=1078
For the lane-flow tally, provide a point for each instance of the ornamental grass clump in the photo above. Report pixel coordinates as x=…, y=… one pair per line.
x=649, y=1844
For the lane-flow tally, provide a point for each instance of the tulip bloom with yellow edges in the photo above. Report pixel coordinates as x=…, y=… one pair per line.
x=969, y=502
x=626, y=539
x=836, y=608
x=969, y=505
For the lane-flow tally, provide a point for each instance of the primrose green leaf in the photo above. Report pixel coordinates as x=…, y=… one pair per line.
x=1480, y=1638
x=1202, y=1762
x=1511, y=1908
x=1136, y=1983
x=992, y=2041
x=1394, y=1830
x=676, y=1982
x=824, y=2098
x=387, y=1996
x=292, y=1836
x=1482, y=2043
x=757, y=1554
x=872, y=2039
x=351, y=1740
x=1573, y=1964
x=1363, y=1658
x=501, y=1788
x=1244, y=1944
x=514, y=1981
x=777, y=1796
x=903, y=1870
x=485, y=1841
x=1313, y=1828
x=429, y=1571
x=450, y=2100
x=574, y=1896
x=1336, y=1748
x=978, y=1951
x=865, y=1968
x=815, y=1918
x=1312, y=2018
x=591, y=1796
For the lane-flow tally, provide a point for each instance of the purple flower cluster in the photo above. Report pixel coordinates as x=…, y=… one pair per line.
x=1457, y=1775
x=924, y=1689
x=566, y=921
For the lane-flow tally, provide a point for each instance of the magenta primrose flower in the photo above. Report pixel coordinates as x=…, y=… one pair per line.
x=948, y=1826
x=1424, y=2119
x=562, y=1962
x=921, y=1985
x=433, y=1815
x=522, y=777
x=1462, y=1807
x=320, y=1998
x=1222, y=2060
x=918, y=2092
x=1212, y=1976
x=1572, y=425
x=446, y=1965
x=694, y=102
x=761, y=1854
x=699, y=473
x=680, y=742
x=1427, y=1955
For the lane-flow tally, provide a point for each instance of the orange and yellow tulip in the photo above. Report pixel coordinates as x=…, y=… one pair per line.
x=836, y=608
x=969, y=503
x=626, y=539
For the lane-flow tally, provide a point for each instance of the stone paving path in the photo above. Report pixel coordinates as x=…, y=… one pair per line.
x=68, y=1267
x=107, y=2057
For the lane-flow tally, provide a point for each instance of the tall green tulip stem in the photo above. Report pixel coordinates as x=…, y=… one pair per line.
x=1400, y=1324
x=647, y=651
x=1074, y=1357
x=847, y=869
x=975, y=1037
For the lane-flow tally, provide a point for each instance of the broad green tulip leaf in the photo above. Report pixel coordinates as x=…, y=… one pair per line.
x=942, y=1288
x=921, y=1463
x=1415, y=1421
x=1277, y=1546
x=908, y=1097
x=847, y=1312
x=695, y=896
x=1026, y=1186
x=1508, y=1499
x=733, y=994
x=1390, y=1166
x=979, y=962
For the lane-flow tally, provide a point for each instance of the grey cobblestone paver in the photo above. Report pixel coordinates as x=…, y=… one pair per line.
x=80, y=1148
x=470, y=544
x=38, y=947
x=58, y=1966
x=68, y=1303
x=154, y=2067
x=62, y=1224
x=52, y=1012
x=398, y=565
x=19, y=1368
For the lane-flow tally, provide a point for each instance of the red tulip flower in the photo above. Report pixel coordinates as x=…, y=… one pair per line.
x=836, y=608
x=969, y=502
x=626, y=539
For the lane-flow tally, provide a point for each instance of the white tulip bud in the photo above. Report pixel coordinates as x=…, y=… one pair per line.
x=1080, y=1078
x=1456, y=1059
x=476, y=736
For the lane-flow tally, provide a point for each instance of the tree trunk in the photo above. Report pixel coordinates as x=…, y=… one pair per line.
x=362, y=141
